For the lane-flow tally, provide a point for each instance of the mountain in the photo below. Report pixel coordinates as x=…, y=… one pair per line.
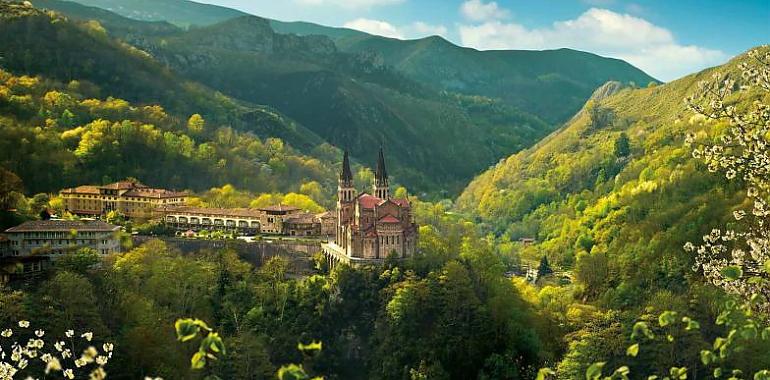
x=180, y=13
x=110, y=111
x=443, y=112
x=615, y=193
x=551, y=84
x=435, y=141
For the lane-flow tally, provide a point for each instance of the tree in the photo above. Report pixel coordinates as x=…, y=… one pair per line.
x=738, y=259
x=196, y=124
x=10, y=183
x=544, y=268
x=79, y=261
x=622, y=146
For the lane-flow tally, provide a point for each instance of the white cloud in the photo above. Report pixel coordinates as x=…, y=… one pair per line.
x=383, y=28
x=478, y=10
x=650, y=47
x=378, y=27
x=420, y=29
x=350, y=4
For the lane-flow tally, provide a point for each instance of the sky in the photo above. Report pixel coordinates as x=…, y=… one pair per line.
x=665, y=38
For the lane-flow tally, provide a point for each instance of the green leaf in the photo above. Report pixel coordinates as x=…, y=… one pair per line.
x=292, y=372
x=198, y=360
x=633, y=350
x=545, y=373
x=731, y=272
x=718, y=372
x=767, y=266
x=186, y=329
x=310, y=348
x=762, y=375
x=678, y=373
x=202, y=324
x=707, y=357
x=666, y=318
x=212, y=342
x=595, y=371
x=622, y=371
x=653, y=377
x=641, y=328
x=691, y=324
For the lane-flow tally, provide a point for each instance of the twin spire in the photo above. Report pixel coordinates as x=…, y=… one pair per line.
x=381, y=189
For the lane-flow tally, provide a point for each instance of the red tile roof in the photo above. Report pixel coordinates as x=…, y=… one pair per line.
x=368, y=201
x=403, y=202
x=389, y=219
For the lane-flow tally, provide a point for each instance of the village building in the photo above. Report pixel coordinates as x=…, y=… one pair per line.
x=130, y=198
x=275, y=220
x=370, y=227
x=53, y=238
x=206, y=218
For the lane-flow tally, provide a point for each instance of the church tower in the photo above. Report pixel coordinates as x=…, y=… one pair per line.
x=381, y=189
x=346, y=192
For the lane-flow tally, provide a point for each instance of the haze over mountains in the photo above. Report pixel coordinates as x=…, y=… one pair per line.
x=444, y=112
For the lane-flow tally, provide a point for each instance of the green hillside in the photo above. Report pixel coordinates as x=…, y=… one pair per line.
x=84, y=51
x=435, y=141
x=617, y=186
x=78, y=107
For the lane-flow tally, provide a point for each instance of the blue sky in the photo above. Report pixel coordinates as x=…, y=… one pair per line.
x=667, y=39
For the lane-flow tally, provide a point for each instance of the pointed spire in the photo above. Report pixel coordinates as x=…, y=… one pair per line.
x=346, y=175
x=381, y=174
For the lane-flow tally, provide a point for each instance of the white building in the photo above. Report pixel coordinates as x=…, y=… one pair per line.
x=57, y=237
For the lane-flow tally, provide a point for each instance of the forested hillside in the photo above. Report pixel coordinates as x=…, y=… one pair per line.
x=65, y=121
x=352, y=100
x=613, y=197
x=607, y=182
x=420, y=99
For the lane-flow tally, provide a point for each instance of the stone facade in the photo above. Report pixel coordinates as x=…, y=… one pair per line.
x=371, y=228
x=273, y=220
x=130, y=198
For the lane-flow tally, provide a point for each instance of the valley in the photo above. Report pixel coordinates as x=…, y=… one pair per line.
x=189, y=191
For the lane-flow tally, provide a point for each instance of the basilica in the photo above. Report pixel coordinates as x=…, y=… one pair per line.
x=370, y=226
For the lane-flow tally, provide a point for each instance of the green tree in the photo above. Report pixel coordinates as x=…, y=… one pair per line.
x=196, y=124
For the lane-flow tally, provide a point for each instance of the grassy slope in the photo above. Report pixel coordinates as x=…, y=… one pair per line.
x=575, y=194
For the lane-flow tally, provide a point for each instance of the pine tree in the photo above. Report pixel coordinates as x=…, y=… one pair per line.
x=544, y=268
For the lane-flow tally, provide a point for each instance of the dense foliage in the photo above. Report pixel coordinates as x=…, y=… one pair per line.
x=55, y=135
x=374, y=322
x=613, y=198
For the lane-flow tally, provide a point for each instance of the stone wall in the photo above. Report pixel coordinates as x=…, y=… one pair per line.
x=299, y=253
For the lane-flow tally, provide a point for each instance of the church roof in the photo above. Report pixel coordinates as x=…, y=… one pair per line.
x=368, y=200
x=402, y=202
x=346, y=175
x=381, y=173
x=389, y=219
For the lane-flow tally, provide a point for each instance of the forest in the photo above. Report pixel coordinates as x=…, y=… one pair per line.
x=630, y=243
